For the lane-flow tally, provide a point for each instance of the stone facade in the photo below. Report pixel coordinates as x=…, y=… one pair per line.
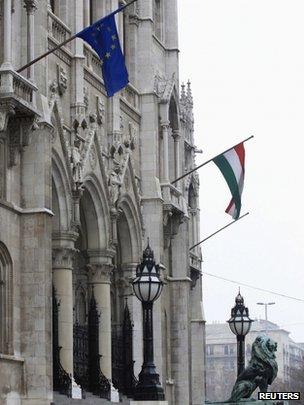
x=84, y=181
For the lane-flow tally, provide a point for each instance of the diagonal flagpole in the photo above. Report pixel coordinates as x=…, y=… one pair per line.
x=210, y=160
x=44, y=55
x=214, y=233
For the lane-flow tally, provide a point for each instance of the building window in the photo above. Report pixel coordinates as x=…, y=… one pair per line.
x=209, y=350
x=157, y=18
x=6, y=314
x=226, y=350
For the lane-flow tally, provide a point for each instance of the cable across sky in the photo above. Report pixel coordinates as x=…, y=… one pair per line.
x=254, y=287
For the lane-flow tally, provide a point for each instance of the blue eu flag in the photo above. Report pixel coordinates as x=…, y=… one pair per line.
x=103, y=38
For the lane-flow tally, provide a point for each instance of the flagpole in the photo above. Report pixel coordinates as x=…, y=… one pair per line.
x=214, y=233
x=210, y=160
x=64, y=43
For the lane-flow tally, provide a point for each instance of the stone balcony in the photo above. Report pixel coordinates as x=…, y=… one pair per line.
x=173, y=199
x=17, y=97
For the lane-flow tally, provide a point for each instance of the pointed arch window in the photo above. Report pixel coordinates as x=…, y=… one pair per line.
x=6, y=312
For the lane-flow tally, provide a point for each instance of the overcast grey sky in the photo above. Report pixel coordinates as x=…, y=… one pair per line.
x=245, y=59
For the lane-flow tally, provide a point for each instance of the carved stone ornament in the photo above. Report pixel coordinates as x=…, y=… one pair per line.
x=82, y=150
x=62, y=80
x=93, y=158
x=114, y=184
x=186, y=109
x=6, y=111
x=100, y=108
x=59, y=85
x=86, y=97
x=173, y=218
x=163, y=87
x=19, y=132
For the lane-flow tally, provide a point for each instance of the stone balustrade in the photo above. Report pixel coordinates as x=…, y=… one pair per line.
x=57, y=29
x=130, y=95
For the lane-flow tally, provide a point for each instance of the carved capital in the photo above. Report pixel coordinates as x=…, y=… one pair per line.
x=62, y=258
x=176, y=135
x=30, y=6
x=100, y=273
x=165, y=124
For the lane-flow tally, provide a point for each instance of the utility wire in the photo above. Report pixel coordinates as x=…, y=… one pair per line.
x=253, y=287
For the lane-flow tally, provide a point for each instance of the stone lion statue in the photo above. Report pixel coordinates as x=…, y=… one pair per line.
x=261, y=371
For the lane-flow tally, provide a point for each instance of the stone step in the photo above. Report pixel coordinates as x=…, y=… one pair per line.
x=89, y=400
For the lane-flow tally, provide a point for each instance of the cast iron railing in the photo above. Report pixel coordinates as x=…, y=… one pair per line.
x=122, y=356
x=87, y=371
x=61, y=379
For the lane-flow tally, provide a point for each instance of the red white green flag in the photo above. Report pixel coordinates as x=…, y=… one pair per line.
x=232, y=166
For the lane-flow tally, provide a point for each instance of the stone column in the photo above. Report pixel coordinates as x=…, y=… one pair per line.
x=7, y=39
x=31, y=7
x=63, y=284
x=100, y=279
x=165, y=129
x=176, y=137
x=86, y=13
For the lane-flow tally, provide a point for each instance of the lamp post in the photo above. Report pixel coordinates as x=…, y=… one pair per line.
x=147, y=287
x=240, y=324
x=266, y=312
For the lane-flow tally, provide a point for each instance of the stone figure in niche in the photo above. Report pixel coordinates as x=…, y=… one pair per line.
x=261, y=371
x=76, y=162
x=114, y=184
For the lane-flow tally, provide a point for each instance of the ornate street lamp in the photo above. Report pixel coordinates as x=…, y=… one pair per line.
x=240, y=325
x=147, y=287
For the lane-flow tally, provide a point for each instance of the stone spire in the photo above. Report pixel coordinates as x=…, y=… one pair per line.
x=189, y=95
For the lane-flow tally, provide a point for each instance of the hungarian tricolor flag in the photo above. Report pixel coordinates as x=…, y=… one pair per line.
x=232, y=166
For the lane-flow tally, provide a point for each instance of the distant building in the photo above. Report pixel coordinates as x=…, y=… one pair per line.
x=221, y=355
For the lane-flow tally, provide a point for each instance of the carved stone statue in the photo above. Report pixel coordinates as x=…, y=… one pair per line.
x=114, y=184
x=261, y=371
x=76, y=162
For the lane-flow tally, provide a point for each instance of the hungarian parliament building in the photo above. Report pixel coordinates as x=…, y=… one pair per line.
x=86, y=184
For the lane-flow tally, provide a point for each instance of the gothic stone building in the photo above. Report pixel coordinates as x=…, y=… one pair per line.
x=85, y=180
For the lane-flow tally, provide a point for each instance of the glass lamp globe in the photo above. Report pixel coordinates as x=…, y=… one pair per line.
x=147, y=284
x=239, y=323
